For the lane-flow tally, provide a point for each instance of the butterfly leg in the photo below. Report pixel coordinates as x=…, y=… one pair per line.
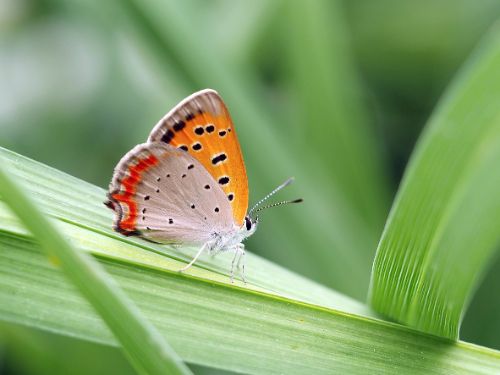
x=231, y=277
x=242, y=257
x=195, y=258
x=239, y=253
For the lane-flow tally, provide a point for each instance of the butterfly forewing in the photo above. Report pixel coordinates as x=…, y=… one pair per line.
x=201, y=125
x=164, y=194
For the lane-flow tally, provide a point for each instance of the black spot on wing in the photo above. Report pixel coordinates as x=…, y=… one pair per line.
x=183, y=147
x=179, y=125
x=196, y=146
x=224, y=180
x=209, y=128
x=189, y=117
x=199, y=130
x=219, y=158
x=168, y=136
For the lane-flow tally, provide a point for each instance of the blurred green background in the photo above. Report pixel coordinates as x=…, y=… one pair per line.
x=334, y=93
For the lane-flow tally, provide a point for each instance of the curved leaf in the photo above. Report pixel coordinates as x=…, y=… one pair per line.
x=444, y=226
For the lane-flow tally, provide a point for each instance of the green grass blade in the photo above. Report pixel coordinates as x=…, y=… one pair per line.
x=79, y=203
x=208, y=320
x=332, y=116
x=444, y=226
x=146, y=349
x=339, y=247
x=250, y=23
x=225, y=327
x=39, y=352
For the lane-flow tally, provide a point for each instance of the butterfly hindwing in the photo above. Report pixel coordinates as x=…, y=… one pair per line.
x=202, y=126
x=164, y=194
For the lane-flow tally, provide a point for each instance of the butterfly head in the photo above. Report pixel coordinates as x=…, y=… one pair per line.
x=250, y=225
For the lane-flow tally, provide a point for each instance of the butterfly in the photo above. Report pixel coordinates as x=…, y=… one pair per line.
x=187, y=185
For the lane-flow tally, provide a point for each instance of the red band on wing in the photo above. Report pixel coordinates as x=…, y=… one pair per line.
x=127, y=196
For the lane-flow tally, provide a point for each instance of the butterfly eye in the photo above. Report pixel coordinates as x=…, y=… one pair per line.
x=248, y=223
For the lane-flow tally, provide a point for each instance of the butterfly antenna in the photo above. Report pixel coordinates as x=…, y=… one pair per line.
x=283, y=185
x=279, y=204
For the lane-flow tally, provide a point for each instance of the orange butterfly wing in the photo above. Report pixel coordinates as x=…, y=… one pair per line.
x=201, y=125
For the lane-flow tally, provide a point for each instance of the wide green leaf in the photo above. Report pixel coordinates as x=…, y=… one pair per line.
x=444, y=226
x=278, y=323
x=221, y=326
